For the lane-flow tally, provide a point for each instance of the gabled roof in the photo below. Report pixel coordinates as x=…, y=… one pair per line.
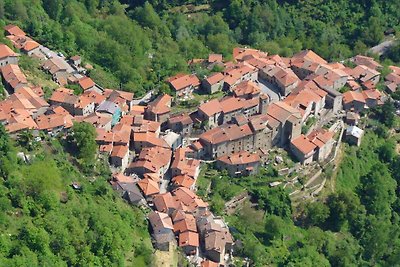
x=215, y=78
x=160, y=105
x=351, y=96
x=86, y=83
x=183, y=180
x=189, y=239
x=187, y=224
x=119, y=151
x=50, y=122
x=211, y=107
x=246, y=88
x=164, y=202
x=240, y=158
x=180, y=82
x=212, y=58
x=149, y=187
x=311, y=56
x=14, y=30
x=303, y=144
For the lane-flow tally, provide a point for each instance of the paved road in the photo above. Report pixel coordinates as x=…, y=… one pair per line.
x=269, y=89
x=381, y=48
x=145, y=99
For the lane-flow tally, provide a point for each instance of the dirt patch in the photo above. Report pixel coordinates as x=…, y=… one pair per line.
x=166, y=258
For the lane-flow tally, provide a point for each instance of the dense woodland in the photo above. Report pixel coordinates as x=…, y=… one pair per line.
x=135, y=45
x=45, y=222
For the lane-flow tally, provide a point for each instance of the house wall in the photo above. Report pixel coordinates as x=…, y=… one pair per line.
x=357, y=106
x=304, y=159
x=8, y=60
x=215, y=255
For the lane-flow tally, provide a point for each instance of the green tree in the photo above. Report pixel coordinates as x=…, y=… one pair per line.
x=83, y=137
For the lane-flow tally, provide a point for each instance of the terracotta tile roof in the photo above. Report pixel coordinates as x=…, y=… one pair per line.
x=303, y=98
x=233, y=74
x=231, y=104
x=164, y=202
x=187, y=224
x=152, y=159
x=246, y=88
x=240, y=53
x=372, y=94
x=395, y=69
x=86, y=83
x=208, y=263
x=211, y=107
x=240, y=158
x=183, y=119
x=351, y=96
x=150, y=139
x=137, y=110
x=99, y=120
x=64, y=95
x=14, y=30
x=353, y=85
x=30, y=45
x=311, y=56
x=303, y=144
x=185, y=166
x=282, y=112
x=50, y=122
x=119, y=177
x=177, y=215
x=320, y=137
x=183, y=180
x=215, y=78
x=119, y=151
x=94, y=97
x=180, y=82
x=5, y=51
x=152, y=176
x=215, y=241
x=19, y=122
x=224, y=133
x=13, y=75
x=160, y=105
x=212, y=58
x=393, y=77
x=149, y=187
x=188, y=198
x=188, y=239
x=367, y=61
x=363, y=73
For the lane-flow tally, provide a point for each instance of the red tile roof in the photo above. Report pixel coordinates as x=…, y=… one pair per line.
x=180, y=82
x=240, y=158
x=86, y=83
x=149, y=187
x=14, y=30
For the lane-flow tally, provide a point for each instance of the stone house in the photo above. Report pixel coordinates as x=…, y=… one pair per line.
x=181, y=124
x=119, y=156
x=239, y=164
x=213, y=83
x=7, y=56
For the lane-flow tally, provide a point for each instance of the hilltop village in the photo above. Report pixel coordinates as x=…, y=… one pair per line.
x=255, y=103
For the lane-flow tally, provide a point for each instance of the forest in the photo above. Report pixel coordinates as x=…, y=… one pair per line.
x=44, y=221
x=136, y=45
